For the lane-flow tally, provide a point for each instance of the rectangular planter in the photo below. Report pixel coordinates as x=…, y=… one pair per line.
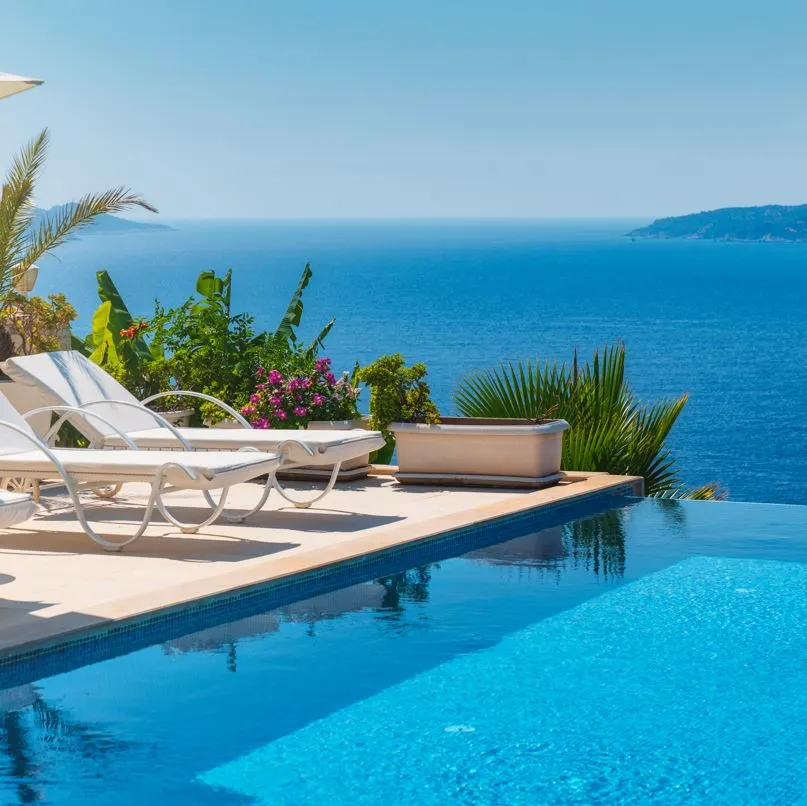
x=181, y=418
x=357, y=468
x=480, y=452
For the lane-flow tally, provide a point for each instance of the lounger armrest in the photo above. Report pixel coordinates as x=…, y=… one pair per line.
x=159, y=419
x=284, y=446
x=39, y=445
x=201, y=396
x=67, y=413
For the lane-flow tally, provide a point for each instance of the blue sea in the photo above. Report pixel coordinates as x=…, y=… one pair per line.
x=725, y=322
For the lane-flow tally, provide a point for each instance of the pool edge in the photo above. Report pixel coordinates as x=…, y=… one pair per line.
x=132, y=613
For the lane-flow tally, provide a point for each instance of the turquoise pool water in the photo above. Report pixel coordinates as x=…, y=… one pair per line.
x=650, y=652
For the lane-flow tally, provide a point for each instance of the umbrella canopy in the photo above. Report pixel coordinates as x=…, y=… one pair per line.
x=10, y=84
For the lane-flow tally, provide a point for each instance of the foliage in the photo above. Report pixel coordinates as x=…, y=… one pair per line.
x=23, y=238
x=397, y=394
x=117, y=344
x=286, y=330
x=611, y=430
x=292, y=402
x=200, y=345
x=37, y=323
x=203, y=346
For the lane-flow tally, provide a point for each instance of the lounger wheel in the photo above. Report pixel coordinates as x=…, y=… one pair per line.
x=22, y=485
x=107, y=490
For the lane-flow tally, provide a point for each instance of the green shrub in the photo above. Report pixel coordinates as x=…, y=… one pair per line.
x=200, y=345
x=397, y=394
x=610, y=429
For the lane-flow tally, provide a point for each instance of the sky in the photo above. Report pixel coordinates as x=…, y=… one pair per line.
x=455, y=109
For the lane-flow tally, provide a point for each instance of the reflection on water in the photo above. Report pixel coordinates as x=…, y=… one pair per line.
x=407, y=586
x=28, y=723
x=308, y=611
x=598, y=544
x=595, y=544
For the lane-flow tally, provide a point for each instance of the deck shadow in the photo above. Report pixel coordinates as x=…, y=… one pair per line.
x=203, y=547
x=320, y=519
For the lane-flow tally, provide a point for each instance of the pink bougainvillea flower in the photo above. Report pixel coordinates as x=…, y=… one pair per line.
x=255, y=399
x=280, y=414
x=274, y=377
x=300, y=411
x=322, y=364
x=330, y=378
x=276, y=400
x=317, y=400
x=247, y=410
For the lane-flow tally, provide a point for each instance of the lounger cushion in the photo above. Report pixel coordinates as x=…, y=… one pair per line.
x=212, y=470
x=329, y=447
x=68, y=378
x=15, y=508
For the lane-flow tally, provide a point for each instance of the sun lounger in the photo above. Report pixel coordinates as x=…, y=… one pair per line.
x=70, y=379
x=24, y=455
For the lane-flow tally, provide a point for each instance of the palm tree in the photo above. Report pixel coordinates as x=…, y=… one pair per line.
x=26, y=236
x=610, y=429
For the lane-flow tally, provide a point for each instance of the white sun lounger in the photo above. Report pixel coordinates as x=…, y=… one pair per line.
x=23, y=454
x=68, y=378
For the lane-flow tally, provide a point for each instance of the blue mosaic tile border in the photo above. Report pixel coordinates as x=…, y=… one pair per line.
x=109, y=641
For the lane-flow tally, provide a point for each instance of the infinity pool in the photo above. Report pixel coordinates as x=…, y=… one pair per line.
x=624, y=651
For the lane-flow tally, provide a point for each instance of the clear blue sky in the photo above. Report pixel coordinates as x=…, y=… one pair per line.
x=415, y=109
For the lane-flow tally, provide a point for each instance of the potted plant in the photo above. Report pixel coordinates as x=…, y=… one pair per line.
x=314, y=399
x=457, y=450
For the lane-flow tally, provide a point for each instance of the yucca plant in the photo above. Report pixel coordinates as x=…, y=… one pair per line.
x=610, y=429
x=26, y=235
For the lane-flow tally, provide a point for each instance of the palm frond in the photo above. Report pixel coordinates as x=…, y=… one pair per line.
x=55, y=230
x=611, y=430
x=16, y=207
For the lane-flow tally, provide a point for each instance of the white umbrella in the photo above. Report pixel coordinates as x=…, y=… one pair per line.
x=11, y=84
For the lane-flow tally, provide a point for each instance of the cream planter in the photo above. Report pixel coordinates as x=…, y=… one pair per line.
x=181, y=418
x=356, y=468
x=482, y=452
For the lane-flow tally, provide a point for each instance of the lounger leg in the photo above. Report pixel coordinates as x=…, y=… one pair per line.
x=240, y=517
x=305, y=504
x=111, y=545
x=192, y=528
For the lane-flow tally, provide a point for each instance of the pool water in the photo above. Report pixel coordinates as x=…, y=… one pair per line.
x=652, y=652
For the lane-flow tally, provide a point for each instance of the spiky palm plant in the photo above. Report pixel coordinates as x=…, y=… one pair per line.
x=611, y=430
x=23, y=240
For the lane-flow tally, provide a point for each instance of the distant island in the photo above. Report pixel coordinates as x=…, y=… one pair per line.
x=103, y=223
x=773, y=222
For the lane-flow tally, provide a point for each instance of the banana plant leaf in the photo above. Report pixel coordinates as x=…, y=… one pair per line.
x=110, y=318
x=294, y=312
x=214, y=289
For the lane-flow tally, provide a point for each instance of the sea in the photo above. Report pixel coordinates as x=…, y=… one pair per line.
x=724, y=322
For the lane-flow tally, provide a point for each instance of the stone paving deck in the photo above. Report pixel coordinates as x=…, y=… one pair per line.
x=55, y=582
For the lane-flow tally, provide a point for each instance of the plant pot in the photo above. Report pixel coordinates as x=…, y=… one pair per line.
x=181, y=418
x=357, y=468
x=480, y=452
